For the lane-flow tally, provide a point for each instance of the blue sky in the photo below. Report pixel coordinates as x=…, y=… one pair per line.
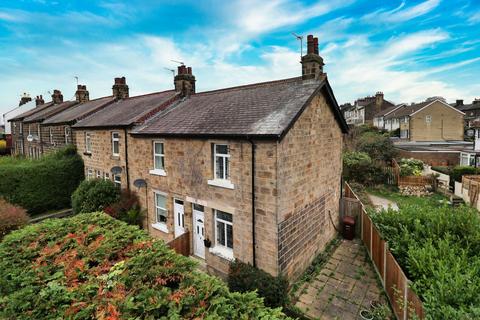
x=410, y=50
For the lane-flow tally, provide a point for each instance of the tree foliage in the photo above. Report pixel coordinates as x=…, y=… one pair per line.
x=359, y=167
x=43, y=184
x=92, y=266
x=94, y=195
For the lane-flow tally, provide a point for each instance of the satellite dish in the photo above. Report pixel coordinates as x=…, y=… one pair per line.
x=140, y=183
x=29, y=138
x=470, y=133
x=116, y=170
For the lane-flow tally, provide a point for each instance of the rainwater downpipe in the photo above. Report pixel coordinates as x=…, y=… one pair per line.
x=254, y=262
x=126, y=159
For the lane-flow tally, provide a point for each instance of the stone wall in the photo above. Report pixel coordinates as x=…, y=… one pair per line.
x=17, y=138
x=188, y=167
x=33, y=149
x=309, y=173
x=101, y=159
x=447, y=158
x=58, y=139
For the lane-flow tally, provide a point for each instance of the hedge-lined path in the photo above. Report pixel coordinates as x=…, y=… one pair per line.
x=346, y=285
x=381, y=203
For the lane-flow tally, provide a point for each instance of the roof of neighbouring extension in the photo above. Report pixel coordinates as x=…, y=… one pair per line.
x=32, y=111
x=408, y=110
x=79, y=111
x=257, y=110
x=49, y=111
x=387, y=111
x=129, y=111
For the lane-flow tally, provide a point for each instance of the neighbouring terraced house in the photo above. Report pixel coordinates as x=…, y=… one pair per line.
x=363, y=111
x=250, y=172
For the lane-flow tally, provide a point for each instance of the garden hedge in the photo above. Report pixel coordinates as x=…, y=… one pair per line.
x=44, y=184
x=92, y=266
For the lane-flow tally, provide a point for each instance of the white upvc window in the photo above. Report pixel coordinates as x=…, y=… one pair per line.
x=38, y=130
x=221, y=166
x=428, y=119
x=158, y=159
x=89, y=173
x=99, y=174
x=117, y=179
x=88, y=143
x=67, y=134
x=115, y=143
x=223, y=234
x=29, y=130
x=161, y=213
x=51, y=135
x=106, y=176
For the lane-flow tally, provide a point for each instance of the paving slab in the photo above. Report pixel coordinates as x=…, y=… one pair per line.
x=344, y=287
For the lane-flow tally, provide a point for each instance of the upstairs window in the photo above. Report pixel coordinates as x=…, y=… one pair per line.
x=88, y=143
x=158, y=156
x=222, y=162
x=428, y=119
x=115, y=143
x=67, y=134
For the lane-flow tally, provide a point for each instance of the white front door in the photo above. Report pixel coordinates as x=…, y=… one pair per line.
x=198, y=231
x=179, y=217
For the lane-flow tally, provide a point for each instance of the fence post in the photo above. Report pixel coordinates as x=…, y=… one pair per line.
x=385, y=248
x=371, y=237
x=405, y=298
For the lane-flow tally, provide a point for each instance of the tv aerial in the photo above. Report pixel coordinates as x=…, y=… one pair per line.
x=171, y=70
x=179, y=62
x=300, y=38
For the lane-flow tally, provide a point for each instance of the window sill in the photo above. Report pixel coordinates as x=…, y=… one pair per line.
x=221, y=183
x=222, y=252
x=158, y=172
x=161, y=227
x=115, y=157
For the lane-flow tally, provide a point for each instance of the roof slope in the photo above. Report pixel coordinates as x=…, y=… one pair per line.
x=50, y=111
x=79, y=111
x=32, y=111
x=387, y=110
x=262, y=109
x=407, y=110
x=128, y=111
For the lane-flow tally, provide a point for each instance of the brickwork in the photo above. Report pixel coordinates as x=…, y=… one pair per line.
x=188, y=166
x=17, y=137
x=432, y=158
x=101, y=160
x=33, y=149
x=309, y=169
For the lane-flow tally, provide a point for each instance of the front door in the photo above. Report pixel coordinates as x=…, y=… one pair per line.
x=179, y=217
x=198, y=231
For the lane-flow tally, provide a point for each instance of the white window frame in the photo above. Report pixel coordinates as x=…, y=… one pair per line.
x=88, y=142
x=117, y=141
x=106, y=176
x=223, y=182
x=220, y=249
x=117, y=180
x=50, y=134
x=66, y=131
x=29, y=130
x=99, y=174
x=89, y=173
x=160, y=225
x=155, y=170
x=428, y=119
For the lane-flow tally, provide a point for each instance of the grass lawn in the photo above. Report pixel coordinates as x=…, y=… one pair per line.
x=435, y=200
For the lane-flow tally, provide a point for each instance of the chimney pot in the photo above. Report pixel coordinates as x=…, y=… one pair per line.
x=312, y=63
x=315, y=45
x=185, y=81
x=310, y=45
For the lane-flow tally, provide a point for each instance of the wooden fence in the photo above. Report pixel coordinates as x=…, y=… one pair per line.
x=181, y=244
x=408, y=181
x=405, y=303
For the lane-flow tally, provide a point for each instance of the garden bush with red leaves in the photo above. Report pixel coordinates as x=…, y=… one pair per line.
x=92, y=266
x=11, y=217
x=126, y=209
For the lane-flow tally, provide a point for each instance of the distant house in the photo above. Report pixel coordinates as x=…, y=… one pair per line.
x=472, y=111
x=432, y=120
x=24, y=105
x=380, y=122
x=364, y=109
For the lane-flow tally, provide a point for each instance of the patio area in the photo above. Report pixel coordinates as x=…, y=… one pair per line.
x=346, y=285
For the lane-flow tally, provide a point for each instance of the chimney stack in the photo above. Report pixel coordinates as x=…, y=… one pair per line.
x=459, y=103
x=39, y=100
x=82, y=94
x=57, y=96
x=378, y=101
x=24, y=99
x=312, y=63
x=120, y=88
x=185, y=81
x=476, y=101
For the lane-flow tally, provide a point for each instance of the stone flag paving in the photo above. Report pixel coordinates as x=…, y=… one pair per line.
x=346, y=285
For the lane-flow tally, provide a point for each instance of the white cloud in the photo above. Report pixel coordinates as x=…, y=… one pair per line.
x=9, y=17
x=401, y=13
x=475, y=18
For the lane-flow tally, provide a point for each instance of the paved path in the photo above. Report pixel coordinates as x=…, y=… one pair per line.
x=345, y=286
x=382, y=203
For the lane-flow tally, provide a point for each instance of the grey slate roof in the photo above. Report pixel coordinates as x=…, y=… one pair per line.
x=32, y=111
x=128, y=111
x=49, y=111
x=79, y=111
x=262, y=109
x=407, y=110
x=385, y=111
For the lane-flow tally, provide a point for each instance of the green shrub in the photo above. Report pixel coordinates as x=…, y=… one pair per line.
x=438, y=247
x=126, y=209
x=244, y=277
x=43, y=184
x=459, y=171
x=359, y=167
x=377, y=146
x=92, y=266
x=445, y=170
x=94, y=195
x=11, y=217
x=410, y=167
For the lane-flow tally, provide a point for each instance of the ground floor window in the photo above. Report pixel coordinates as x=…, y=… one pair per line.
x=117, y=179
x=224, y=229
x=467, y=159
x=404, y=134
x=160, y=208
x=89, y=173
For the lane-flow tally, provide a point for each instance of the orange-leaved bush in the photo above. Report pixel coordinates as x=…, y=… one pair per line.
x=11, y=217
